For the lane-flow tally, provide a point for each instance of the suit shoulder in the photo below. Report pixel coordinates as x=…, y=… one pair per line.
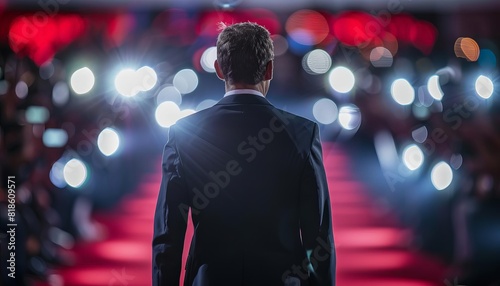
x=297, y=119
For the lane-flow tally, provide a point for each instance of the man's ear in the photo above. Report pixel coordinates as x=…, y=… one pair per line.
x=218, y=70
x=269, y=71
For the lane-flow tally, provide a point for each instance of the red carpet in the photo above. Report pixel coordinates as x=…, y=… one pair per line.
x=371, y=247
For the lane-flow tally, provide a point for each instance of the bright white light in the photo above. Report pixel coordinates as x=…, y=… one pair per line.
x=186, y=112
x=484, y=87
x=434, y=87
x=147, y=78
x=82, y=80
x=169, y=93
x=317, y=62
x=341, y=79
x=349, y=117
x=167, y=114
x=208, y=58
x=125, y=83
x=441, y=175
x=108, y=141
x=75, y=173
x=325, y=111
x=186, y=81
x=402, y=92
x=206, y=104
x=413, y=157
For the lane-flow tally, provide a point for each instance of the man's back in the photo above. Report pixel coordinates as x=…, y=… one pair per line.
x=253, y=178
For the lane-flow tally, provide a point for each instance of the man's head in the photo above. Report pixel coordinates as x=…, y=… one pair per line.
x=244, y=54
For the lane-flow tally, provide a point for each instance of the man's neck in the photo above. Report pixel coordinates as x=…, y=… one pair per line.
x=261, y=87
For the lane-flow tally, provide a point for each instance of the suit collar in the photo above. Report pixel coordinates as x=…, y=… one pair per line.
x=244, y=99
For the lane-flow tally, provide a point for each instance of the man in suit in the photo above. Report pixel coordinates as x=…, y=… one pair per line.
x=252, y=176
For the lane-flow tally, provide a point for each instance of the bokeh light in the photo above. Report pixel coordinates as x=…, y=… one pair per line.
x=21, y=90
x=37, y=114
x=167, y=113
x=169, y=93
x=186, y=81
x=434, y=88
x=349, y=117
x=484, y=87
x=467, y=48
x=147, y=78
x=341, y=79
x=316, y=62
x=54, y=138
x=56, y=174
x=75, y=173
x=208, y=58
x=381, y=57
x=413, y=157
x=325, y=111
x=420, y=134
x=82, y=80
x=307, y=27
x=280, y=45
x=108, y=141
x=125, y=83
x=60, y=93
x=402, y=92
x=441, y=175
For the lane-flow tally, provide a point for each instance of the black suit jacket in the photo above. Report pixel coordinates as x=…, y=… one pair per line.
x=254, y=180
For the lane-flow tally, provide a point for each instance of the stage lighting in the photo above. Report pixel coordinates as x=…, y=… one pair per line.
x=381, y=57
x=82, y=80
x=108, y=141
x=126, y=83
x=56, y=175
x=60, y=93
x=316, y=62
x=484, y=87
x=325, y=111
x=75, y=173
x=441, y=175
x=349, y=117
x=21, y=90
x=167, y=113
x=413, y=157
x=54, y=138
x=402, y=92
x=147, y=78
x=341, y=79
x=186, y=81
x=208, y=59
x=169, y=93
x=434, y=88
x=37, y=114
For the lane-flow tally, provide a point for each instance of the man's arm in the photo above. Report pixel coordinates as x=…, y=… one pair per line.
x=315, y=217
x=169, y=221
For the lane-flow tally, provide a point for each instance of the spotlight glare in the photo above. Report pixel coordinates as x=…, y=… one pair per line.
x=82, y=80
x=341, y=79
x=208, y=58
x=413, y=157
x=108, y=141
x=434, y=87
x=75, y=173
x=147, y=77
x=402, y=92
x=167, y=113
x=349, y=117
x=125, y=83
x=441, y=175
x=484, y=87
x=325, y=111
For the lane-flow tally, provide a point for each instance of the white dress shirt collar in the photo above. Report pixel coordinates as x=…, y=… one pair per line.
x=243, y=91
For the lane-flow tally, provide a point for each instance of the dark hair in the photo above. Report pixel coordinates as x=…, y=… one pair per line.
x=243, y=51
